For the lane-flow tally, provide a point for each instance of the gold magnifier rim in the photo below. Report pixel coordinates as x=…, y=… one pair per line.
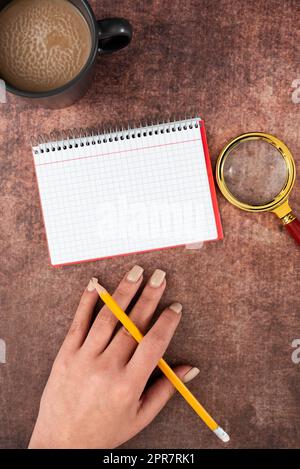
x=282, y=196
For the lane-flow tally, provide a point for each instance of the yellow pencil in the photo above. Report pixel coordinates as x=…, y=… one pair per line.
x=162, y=364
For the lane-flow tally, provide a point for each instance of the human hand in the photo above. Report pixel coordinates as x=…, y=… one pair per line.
x=96, y=395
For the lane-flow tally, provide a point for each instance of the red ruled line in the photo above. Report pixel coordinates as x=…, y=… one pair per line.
x=116, y=152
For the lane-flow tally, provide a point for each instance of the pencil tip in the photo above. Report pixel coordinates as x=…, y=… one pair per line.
x=97, y=285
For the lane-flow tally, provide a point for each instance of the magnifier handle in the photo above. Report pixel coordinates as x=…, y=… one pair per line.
x=293, y=228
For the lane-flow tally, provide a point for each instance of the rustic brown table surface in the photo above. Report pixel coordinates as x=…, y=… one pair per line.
x=233, y=62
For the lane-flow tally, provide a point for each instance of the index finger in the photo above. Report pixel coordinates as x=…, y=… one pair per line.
x=154, y=344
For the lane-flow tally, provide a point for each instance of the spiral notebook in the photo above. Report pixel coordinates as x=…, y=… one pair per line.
x=109, y=194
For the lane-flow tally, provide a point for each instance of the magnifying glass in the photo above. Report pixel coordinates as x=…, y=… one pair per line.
x=256, y=172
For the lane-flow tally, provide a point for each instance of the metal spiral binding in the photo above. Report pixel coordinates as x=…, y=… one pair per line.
x=79, y=137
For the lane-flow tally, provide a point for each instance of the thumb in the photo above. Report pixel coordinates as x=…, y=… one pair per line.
x=156, y=397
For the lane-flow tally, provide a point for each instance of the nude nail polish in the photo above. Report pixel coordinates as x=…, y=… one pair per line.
x=135, y=274
x=91, y=286
x=157, y=278
x=176, y=307
x=191, y=374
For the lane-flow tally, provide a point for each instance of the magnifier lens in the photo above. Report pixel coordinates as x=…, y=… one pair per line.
x=254, y=172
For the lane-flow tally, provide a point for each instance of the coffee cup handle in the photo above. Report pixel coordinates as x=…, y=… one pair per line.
x=114, y=34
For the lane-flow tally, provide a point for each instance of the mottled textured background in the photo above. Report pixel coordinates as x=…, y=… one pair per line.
x=234, y=63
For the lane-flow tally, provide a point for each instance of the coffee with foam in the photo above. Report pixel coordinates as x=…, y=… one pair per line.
x=44, y=44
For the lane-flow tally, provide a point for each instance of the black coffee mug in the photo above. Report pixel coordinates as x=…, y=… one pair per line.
x=107, y=35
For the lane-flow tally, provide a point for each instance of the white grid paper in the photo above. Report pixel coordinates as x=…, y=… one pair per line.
x=125, y=196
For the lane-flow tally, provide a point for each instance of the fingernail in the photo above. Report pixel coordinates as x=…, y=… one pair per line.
x=91, y=285
x=176, y=307
x=190, y=375
x=135, y=274
x=157, y=278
